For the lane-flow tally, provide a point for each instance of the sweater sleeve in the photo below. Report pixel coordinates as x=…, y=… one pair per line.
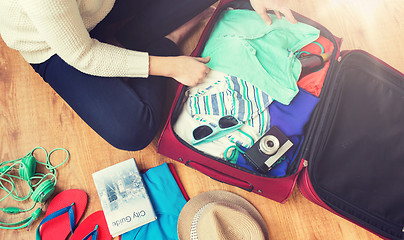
x=61, y=25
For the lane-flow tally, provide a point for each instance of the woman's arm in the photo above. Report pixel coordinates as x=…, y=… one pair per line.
x=186, y=70
x=61, y=26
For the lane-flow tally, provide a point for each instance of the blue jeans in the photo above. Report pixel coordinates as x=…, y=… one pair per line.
x=126, y=113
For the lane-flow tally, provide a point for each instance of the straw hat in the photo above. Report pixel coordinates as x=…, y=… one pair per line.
x=220, y=215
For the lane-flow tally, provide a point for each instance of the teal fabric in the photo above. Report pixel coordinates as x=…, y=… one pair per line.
x=167, y=201
x=242, y=45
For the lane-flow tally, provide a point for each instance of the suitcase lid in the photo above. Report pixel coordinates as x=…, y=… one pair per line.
x=356, y=148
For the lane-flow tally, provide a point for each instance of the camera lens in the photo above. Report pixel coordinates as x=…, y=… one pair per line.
x=269, y=145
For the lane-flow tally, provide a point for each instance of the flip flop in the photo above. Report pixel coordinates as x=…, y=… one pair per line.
x=94, y=226
x=62, y=215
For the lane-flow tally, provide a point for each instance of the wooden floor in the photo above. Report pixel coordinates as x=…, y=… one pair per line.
x=32, y=114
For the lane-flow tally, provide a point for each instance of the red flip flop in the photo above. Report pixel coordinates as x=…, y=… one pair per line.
x=93, y=224
x=59, y=215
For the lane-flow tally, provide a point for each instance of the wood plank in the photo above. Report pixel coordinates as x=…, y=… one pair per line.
x=32, y=114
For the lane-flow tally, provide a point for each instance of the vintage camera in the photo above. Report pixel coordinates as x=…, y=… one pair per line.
x=268, y=149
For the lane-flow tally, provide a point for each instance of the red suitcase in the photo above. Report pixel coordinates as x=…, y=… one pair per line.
x=352, y=158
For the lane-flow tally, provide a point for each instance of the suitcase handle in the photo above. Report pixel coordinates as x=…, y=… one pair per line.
x=219, y=176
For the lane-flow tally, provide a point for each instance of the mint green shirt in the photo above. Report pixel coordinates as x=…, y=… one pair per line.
x=242, y=45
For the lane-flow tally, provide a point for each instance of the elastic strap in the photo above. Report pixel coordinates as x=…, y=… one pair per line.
x=299, y=53
x=321, y=46
x=236, y=150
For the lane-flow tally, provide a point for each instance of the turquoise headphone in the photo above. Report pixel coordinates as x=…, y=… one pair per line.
x=41, y=186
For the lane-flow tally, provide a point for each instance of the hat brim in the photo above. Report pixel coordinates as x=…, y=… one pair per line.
x=218, y=196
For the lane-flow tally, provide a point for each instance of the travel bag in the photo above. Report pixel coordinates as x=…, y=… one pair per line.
x=351, y=160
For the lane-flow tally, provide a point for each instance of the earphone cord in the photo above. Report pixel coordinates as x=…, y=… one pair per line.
x=10, y=181
x=49, y=165
x=11, y=190
x=16, y=225
x=25, y=223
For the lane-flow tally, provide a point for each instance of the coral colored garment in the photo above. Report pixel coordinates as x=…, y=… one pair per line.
x=313, y=83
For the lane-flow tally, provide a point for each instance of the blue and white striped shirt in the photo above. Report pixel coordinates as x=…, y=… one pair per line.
x=229, y=95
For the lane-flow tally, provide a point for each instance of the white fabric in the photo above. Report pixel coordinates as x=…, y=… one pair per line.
x=185, y=124
x=224, y=95
x=39, y=29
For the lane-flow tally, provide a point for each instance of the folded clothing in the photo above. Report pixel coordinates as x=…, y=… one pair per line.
x=221, y=95
x=167, y=200
x=290, y=119
x=242, y=45
x=313, y=82
x=195, y=112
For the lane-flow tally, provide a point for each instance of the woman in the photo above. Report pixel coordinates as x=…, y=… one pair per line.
x=64, y=41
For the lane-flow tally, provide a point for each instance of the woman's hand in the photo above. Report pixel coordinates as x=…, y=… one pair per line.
x=187, y=70
x=262, y=6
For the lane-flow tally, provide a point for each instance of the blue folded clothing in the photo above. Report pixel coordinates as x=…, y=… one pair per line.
x=167, y=200
x=290, y=119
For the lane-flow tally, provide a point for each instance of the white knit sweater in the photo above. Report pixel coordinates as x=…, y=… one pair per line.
x=39, y=29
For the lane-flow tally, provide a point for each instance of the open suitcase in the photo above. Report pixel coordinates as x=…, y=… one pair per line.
x=351, y=161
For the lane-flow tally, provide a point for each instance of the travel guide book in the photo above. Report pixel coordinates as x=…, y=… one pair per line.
x=123, y=197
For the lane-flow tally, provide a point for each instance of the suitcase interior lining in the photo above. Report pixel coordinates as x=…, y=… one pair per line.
x=360, y=162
